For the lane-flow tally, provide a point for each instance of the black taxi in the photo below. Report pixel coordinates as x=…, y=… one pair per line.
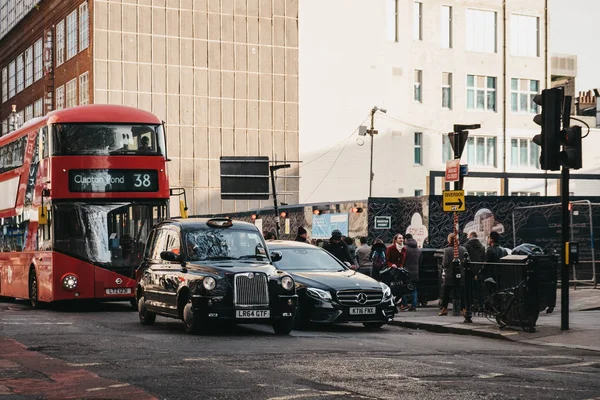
x=203, y=271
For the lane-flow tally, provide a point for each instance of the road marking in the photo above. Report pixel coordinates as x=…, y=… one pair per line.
x=83, y=364
x=490, y=375
x=36, y=323
x=119, y=385
x=241, y=370
x=312, y=394
x=95, y=389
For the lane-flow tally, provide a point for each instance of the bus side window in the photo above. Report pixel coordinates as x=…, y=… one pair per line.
x=44, y=145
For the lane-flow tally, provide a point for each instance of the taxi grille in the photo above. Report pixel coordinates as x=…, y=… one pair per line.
x=250, y=291
x=352, y=297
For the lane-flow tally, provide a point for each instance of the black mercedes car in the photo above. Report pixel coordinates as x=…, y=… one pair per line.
x=330, y=292
x=203, y=271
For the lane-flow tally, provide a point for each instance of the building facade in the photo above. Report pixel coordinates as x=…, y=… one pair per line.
x=430, y=64
x=222, y=74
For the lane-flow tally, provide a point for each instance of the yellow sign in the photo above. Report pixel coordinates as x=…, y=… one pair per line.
x=453, y=200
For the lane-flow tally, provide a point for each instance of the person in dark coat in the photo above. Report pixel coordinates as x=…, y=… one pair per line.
x=396, y=252
x=377, y=258
x=412, y=261
x=339, y=249
x=475, y=248
x=448, y=279
x=363, y=258
x=302, y=235
x=351, y=248
x=494, y=251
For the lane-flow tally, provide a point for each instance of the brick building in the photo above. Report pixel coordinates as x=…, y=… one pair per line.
x=222, y=74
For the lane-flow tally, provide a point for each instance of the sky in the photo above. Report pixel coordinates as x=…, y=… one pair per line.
x=574, y=29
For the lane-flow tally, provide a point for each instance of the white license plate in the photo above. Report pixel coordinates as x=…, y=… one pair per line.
x=253, y=313
x=119, y=291
x=362, y=310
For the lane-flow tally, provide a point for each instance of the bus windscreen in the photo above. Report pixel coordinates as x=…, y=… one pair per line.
x=107, y=139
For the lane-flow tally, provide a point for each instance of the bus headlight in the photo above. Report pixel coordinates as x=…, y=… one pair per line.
x=70, y=281
x=209, y=283
x=287, y=283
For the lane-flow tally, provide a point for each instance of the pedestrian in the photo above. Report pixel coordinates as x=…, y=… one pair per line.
x=377, y=258
x=351, y=248
x=494, y=251
x=475, y=248
x=448, y=278
x=302, y=235
x=363, y=259
x=396, y=252
x=269, y=235
x=339, y=249
x=412, y=263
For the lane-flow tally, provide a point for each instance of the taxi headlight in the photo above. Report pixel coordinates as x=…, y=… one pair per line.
x=70, y=281
x=209, y=283
x=287, y=283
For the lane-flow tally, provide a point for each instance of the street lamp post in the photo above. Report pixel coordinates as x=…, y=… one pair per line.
x=372, y=132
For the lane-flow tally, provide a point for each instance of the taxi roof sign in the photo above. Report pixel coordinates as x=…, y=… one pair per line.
x=453, y=200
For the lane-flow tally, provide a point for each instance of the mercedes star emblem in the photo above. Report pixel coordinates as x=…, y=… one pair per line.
x=361, y=298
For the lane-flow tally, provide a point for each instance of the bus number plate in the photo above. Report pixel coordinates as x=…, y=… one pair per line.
x=119, y=291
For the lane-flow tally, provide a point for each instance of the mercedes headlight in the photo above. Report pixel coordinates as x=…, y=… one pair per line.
x=287, y=282
x=209, y=283
x=387, y=292
x=318, y=293
x=70, y=281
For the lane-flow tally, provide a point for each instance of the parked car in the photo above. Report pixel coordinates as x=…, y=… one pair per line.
x=329, y=291
x=207, y=270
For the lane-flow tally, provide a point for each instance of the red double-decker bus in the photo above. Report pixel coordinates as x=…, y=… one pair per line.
x=80, y=190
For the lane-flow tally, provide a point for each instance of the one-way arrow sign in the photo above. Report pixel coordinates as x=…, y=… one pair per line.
x=453, y=200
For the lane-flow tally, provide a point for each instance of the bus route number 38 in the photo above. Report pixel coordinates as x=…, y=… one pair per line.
x=141, y=180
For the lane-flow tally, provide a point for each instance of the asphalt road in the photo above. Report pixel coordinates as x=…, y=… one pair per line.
x=341, y=362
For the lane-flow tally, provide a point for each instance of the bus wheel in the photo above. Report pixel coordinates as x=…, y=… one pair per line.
x=146, y=317
x=33, y=289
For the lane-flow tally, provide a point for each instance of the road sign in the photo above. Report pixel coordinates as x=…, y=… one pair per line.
x=464, y=169
x=383, y=222
x=453, y=170
x=453, y=200
x=244, y=178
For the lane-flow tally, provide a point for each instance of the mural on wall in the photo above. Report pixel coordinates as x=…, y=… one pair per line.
x=401, y=211
x=418, y=229
x=483, y=224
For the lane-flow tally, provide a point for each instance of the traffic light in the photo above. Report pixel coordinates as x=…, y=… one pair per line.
x=572, y=151
x=549, y=140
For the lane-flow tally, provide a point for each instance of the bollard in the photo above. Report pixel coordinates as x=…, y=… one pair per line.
x=468, y=279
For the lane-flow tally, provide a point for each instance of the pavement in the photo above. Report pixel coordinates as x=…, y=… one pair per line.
x=583, y=323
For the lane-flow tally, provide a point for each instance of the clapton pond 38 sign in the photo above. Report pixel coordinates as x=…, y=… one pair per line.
x=113, y=180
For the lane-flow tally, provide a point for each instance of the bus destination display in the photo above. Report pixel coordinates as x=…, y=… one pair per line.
x=113, y=180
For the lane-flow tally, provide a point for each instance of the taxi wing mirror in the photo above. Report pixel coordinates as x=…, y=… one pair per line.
x=276, y=256
x=169, y=256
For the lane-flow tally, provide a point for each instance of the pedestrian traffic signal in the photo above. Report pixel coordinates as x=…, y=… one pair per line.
x=549, y=140
x=572, y=149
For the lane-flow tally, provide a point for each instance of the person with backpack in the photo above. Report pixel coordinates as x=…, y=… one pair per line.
x=377, y=258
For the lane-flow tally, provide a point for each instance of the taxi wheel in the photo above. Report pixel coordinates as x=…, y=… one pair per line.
x=283, y=326
x=373, y=325
x=146, y=317
x=193, y=323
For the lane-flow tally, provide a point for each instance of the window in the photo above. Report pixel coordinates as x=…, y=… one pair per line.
x=447, y=152
x=37, y=108
x=60, y=98
x=391, y=15
x=4, y=84
x=481, y=151
x=524, y=153
x=418, y=20
x=60, y=43
x=84, y=26
x=83, y=89
x=5, y=127
x=446, y=27
x=71, y=35
x=11, y=79
x=481, y=31
x=419, y=148
x=524, y=36
x=481, y=92
x=20, y=73
x=29, y=67
x=37, y=61
x=494, y=193
x=71, y=93
x=446, y=90
x=28, y=112
x=524, y=193
x=418, y=84
x=522, y=92
x=418, y=192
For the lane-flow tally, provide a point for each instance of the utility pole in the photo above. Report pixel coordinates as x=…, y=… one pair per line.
x=372, y=132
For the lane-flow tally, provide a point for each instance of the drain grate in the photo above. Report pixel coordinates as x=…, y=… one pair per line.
x=589, y=368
